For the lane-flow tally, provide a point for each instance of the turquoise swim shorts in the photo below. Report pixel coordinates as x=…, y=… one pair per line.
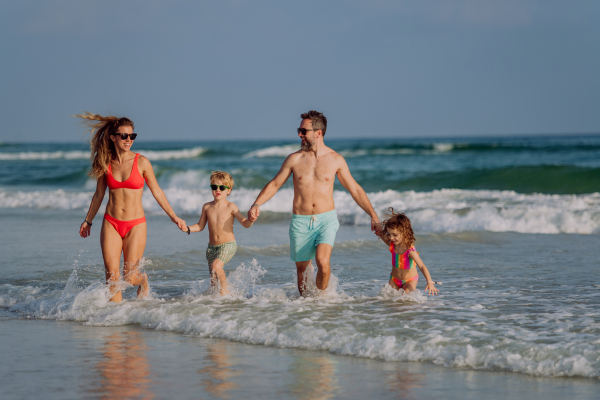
x=309, y=231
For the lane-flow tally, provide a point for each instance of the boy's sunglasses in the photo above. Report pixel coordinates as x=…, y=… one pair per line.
x=221, y=187
x=304, y=130
x=125, y=135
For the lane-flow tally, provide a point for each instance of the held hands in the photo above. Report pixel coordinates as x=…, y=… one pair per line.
x=253, y=213
x=376, y=227
x=180, y=223
x=84, y=230
x=431, y=288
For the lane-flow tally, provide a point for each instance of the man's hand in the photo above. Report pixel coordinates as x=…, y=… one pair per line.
x=376, y=227
x=253, y=213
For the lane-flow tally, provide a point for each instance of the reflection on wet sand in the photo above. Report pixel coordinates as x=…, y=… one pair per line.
x=314, y=378
x=402, y=383
x=124, y=369
x=218, y=382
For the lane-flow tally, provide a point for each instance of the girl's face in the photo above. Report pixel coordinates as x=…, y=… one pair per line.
x=395, y=236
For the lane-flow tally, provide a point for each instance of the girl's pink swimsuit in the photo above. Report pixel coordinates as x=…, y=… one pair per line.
x=135, y=181
x=402, y=261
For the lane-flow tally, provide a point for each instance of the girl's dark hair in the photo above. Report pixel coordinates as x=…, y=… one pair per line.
x=400, y=222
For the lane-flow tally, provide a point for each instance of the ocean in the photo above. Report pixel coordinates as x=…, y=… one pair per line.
x=509, y=225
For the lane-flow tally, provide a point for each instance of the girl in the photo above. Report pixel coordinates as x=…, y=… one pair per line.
x=398, y=234
x=123, y=230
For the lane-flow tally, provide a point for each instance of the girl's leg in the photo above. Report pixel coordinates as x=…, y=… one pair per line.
x=218, y=274
x=410, y=286
x=134, y=245
x=112, y=245
x=393, y=284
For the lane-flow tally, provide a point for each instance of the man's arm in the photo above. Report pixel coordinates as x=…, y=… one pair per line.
x=271, y=188
x=357, y=193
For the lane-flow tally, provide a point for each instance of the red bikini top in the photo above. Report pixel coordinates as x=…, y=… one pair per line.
x=135, y=180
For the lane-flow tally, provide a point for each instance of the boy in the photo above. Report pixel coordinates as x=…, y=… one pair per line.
x=220, y=214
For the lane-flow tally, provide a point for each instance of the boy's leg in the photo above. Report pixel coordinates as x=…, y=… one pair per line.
x=323, y=258
x=218, y=274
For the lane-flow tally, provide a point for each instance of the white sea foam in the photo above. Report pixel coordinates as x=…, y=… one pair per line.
x=446, y=210
x=274, y=151
x=385, y=324
x=173, y=154
x=78, y=154
x=45, y=155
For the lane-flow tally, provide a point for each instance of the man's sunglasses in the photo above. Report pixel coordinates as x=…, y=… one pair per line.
x=125, y=135
x=221, y=187
x=304, y=130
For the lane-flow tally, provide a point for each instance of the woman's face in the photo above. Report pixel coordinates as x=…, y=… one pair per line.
x=122, y=144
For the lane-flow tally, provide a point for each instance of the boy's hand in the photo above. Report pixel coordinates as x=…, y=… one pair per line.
x=431, y=288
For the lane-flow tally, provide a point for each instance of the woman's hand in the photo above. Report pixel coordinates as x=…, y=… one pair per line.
x=180, y=223
x=431, y=288
x=84, y=230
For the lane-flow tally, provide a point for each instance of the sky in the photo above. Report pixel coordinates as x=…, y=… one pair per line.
x=235, y=69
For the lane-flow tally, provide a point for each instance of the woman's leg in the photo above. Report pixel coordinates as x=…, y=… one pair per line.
x=218, y=274
x=112, y=246
x=134, y=245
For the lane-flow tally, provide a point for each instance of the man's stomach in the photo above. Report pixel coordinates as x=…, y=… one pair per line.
x=304, y=205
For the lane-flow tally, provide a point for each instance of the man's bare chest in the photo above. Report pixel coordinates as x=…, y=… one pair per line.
x=314, y=172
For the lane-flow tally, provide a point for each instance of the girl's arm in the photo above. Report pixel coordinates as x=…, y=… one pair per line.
x=246, y=223
x=384, y=236
x=199, y=227
x=85, y=228
x=430, y=286
x=157, y=192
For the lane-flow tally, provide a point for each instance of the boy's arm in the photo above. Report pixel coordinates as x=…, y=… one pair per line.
x=246, y=223
x=430, y=284
x=199, y=227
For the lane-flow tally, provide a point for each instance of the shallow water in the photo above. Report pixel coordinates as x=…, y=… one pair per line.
x=507, y=302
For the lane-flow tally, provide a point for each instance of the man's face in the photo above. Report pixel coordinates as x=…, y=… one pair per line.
x=308, y=140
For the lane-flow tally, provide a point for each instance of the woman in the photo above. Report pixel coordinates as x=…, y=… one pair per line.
x=124, y=224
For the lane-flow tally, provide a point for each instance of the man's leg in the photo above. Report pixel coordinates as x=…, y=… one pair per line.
x=323, y=256
x=301, y=269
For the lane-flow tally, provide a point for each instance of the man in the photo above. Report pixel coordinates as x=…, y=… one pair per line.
x=314, y=223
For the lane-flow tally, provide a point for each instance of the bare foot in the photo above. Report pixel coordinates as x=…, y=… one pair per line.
x=143, y=289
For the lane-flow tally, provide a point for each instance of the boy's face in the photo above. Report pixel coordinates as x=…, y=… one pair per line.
x=220, y=194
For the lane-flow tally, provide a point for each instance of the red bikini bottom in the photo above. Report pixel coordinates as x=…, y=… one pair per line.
x=123, y=227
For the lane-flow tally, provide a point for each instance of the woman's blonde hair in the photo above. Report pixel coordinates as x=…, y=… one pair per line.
x=103, y=149
x=222, y=176
x=400, y=222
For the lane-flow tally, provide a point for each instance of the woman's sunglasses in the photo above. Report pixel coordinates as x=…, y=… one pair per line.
x=124, y=136
x=220, y=187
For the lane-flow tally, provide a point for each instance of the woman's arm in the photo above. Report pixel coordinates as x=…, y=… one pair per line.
x=199, y=227
x=85, y=228
x=430, y=286
x=157, y=192
x=246, y=223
